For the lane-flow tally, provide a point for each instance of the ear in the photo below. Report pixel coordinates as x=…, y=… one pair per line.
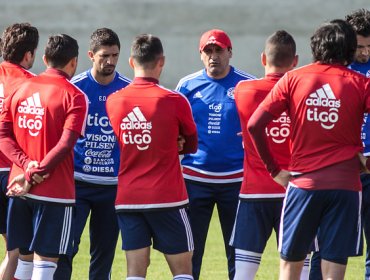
x=231, y=52
x=295, y=61
x=131, y=62
x=162, y=61
x=74, y=62
x=90, y=54
x=44, y=59
x=263, y=59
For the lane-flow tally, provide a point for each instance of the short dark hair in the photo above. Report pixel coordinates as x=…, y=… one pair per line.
x=60, y=49
x=103, y=37
x=146, y=49
x=280, y=49
x=360, y=22
x=334, y=43
x=17, y=39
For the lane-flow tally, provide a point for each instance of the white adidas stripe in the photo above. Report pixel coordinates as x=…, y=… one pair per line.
x=32, y=101
x=325, y=92
x=135, y=116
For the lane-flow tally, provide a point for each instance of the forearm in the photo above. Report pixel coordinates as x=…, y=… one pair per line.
x=190, y=145
x=256, y=128
x=10, y=147
x=57, y=154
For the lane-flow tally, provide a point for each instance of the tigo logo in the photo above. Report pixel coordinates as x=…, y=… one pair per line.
x=136, y=129
x=31, y=106
x=280, y=129
x=325, y=106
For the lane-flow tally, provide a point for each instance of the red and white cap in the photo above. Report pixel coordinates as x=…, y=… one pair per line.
x=215, y=36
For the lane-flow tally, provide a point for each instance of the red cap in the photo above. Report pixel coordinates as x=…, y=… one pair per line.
x=215, y=36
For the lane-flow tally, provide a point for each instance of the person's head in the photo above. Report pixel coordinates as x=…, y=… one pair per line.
x=215, y=52
x=147, y=54
x=19, y=43
x=360, y=22
x=280, y=52
x=104, y=51
x=61, y=52
x=334, y=43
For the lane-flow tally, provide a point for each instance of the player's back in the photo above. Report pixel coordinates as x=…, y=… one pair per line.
x=148, y=119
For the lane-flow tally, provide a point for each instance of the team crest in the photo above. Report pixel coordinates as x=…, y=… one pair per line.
x=230, y=93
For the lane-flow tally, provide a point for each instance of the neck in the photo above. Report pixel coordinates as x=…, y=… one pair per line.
x=103, y=79
x=146, y=73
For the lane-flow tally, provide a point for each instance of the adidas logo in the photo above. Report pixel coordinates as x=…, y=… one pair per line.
x=198, y=95
x=32, y=105
x=135, y=120
x=324, y=97
x=325, y=105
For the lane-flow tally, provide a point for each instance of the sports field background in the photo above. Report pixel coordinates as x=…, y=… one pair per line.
x=179, y=23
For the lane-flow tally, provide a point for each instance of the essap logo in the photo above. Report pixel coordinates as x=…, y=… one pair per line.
x=325, y=107
x=136, y=130
x=31, y=114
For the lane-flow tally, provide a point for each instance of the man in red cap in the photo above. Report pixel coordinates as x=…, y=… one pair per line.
x=214, y=173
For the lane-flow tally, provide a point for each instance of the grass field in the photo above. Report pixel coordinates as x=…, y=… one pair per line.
x=214, y=263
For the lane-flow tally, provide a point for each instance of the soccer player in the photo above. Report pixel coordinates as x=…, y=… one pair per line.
x=360, y=21
x=151, y=196
x=19, y=43
x=41, y=121
x=213, y=174
x=325, y=102
x=97, y=159
x=261, y=199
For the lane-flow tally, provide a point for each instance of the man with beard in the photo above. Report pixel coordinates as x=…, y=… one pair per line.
x=97, y=159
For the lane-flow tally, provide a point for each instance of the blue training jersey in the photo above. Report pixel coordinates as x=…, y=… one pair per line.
x=364, y=68
x=220, y=152
x=97, y=154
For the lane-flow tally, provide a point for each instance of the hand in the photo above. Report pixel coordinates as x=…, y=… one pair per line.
x=180, y=143
x=36, y=179
x=282, y=178
x=18, y=186
x=363, y=160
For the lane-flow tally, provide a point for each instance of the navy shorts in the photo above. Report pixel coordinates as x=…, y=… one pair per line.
x=334, y=215
x=46, y=229
x=3, y=200
x=168, y=229
x=254, y=223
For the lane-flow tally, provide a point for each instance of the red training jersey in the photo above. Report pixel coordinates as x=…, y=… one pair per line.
x=326, y=104
x=40, y=110
x=257, y=182
x=11, y=77
x=147, y=120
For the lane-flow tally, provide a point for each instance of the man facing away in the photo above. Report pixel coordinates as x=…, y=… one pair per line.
x=41, y=122
x=325, y=102
x=261, y=199
x=97, y=159
x=360, y=21
x=19, y=43
x=151, y=196
x=214, y=173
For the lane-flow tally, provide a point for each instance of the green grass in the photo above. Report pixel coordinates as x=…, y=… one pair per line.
x=214, y=261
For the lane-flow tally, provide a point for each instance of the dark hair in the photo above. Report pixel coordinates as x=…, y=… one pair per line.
x=360, y=22
x=334, y=43
x=280, y=49
x=60, y=49
x=146, y=49
x=103, y=37
x=17, y=39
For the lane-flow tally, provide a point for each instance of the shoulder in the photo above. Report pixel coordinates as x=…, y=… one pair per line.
x=80, y=77
x=242, y=74
x=123, y=79
x=190, y=77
